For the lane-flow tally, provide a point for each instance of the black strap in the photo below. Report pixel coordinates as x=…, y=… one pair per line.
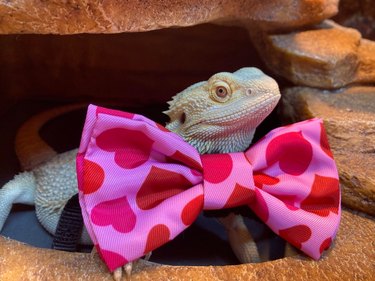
x=69, y=227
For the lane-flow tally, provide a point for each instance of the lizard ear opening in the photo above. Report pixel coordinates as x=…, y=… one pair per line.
x=183, y=118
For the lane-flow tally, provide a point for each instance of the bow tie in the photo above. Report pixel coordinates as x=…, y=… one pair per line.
x=141, y=185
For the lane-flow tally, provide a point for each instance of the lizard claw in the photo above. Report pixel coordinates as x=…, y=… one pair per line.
x=117, y=274
x=148, y=256
x=127, y=268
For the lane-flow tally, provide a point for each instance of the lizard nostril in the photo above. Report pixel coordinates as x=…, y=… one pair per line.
x=183, y=118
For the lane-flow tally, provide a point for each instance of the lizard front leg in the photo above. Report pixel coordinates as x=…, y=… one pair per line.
x=290, y=251
x=242, y=242
x=240, y=239
x=21, y=189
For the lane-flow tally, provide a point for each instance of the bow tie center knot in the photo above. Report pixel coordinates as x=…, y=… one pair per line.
x=227, y=180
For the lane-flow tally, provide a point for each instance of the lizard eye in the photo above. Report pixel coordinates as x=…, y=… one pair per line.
x=221, y=92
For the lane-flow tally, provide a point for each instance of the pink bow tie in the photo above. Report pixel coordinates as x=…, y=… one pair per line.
x=141, y=185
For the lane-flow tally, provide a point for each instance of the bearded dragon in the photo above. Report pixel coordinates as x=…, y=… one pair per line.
x=219, y=115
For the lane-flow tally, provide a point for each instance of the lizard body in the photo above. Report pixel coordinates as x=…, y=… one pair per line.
x=216, y=116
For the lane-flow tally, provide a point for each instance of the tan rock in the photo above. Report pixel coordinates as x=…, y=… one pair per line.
x=358, y=14
x=351, y=258
x=349, y=118
x=328, y=56
x=366, y=63
x=113, y=16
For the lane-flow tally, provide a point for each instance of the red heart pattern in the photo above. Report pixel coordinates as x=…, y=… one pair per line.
x=113, y=260
x=179, y=157
x=160, y=185
x=191, y=210
x=158, y=235
x=323, y=197
x=261, y=179
x=93, y=175
x=324, y=142
x=296, y=235
x=325, y=245
x=292, y=151
x=163, y=184
x=221, y=166
x=240, y=196
x=132, y=148
x=116, y=213
x=289, y=201
x=113, y=112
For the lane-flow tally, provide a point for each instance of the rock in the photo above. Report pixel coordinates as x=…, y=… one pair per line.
x=327, y=56
x=113, y=16
x=350, y=256
x=349, y=118
x=358, y=14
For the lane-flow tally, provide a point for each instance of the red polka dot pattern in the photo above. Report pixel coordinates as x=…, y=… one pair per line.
x=296, y=235
x=292, y=151
x=192, y=210
x=157, y=236
x=93, y=176
x=132, y=148
x=117, y=213
x=220, y=167
x=324, y=197
x=160, y=185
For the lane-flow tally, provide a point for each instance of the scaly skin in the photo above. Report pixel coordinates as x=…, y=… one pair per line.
x=219, y=125
x=216, y=116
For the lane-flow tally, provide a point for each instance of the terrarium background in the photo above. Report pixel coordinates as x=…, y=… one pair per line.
x=137, y=72
x=134, y=71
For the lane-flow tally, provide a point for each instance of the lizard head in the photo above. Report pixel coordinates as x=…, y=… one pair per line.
x=221, y=114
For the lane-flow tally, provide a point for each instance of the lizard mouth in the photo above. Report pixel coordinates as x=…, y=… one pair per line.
x=238, y=112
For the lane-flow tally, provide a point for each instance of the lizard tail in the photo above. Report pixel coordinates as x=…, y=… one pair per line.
x=30, y=148
x=21, y=190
